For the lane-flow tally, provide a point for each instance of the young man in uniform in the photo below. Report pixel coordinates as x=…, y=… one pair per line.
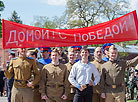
x=32, y=52
x=71, y=57
x=113, y=73
x=81, y=78
x=21, y=69
x=54, y=85
x=98, y=63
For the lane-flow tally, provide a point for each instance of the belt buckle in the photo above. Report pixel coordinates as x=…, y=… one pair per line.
x=113, y=86
x=84, y=86
x=57, y=86
x=23, y=82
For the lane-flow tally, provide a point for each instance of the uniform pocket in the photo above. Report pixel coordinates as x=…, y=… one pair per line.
x=16, y=66
x=17, y=69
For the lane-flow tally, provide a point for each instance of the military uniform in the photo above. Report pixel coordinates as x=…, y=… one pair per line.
x=54, y=82
x=96, y=89
x=72, y=88
x=21, y=68
x=36, y=93
x=112, y=81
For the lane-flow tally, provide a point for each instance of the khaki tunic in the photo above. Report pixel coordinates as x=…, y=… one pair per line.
x=22, y=68
x=36, y=93
x=72, y=88
x=113, y=73
x=69, y=66
x=96, y=89
x=39, y=66
x=52, y=76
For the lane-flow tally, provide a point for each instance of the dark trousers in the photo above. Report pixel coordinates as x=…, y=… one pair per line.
x=83, y=96
x=9, y=88
x=132, y=91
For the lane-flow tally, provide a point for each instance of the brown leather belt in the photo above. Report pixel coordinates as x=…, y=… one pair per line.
x=21, y=81
x=114, y=86
x=55, y=86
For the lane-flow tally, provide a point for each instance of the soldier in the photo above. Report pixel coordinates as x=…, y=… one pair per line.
x=113, y=73
x=32, y=52
x=77, y=52
x=71, y=57
x=63, y=57
x=106, y=51
x=98, y=63
x=21, y=68
x=10, y=81
x=45, y=55
x=81, y=78
x=53, y=82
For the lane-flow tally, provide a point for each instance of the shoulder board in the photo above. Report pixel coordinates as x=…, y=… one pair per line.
x=14, y=58
x=30, y=58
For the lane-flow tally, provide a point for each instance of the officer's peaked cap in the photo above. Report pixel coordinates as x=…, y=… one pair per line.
x=43, y=49
x=106, y=46
x=76, y=47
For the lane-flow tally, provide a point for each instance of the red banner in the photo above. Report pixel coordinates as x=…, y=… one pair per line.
x=17, y=35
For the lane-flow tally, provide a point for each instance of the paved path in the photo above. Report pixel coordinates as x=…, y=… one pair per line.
x=3, y=99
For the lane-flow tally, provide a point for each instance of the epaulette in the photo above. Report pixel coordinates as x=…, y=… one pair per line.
x=14, y=58
x=30, y=58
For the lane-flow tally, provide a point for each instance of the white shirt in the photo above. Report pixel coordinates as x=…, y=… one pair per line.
x=82, y=74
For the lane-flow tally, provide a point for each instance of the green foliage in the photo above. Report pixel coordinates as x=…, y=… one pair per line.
x=123, y=55
x=46, y=22
x=0, y=29
x=84, y=13
x=2, y=6
x=1, y=9
x=15, y=18
x=115, y=8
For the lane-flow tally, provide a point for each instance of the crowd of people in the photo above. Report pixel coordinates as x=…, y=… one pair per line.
x=69, y=76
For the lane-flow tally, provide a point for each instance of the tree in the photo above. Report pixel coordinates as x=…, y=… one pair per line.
x=1, y=9
x=15, y=18
x=115, y=8
x=84, y=13
x=46, y=22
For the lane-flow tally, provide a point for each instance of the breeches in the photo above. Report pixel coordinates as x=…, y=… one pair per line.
x=115, y=97
x=22, y=95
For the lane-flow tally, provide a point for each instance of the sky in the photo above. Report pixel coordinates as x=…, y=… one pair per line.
x=27, y=9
